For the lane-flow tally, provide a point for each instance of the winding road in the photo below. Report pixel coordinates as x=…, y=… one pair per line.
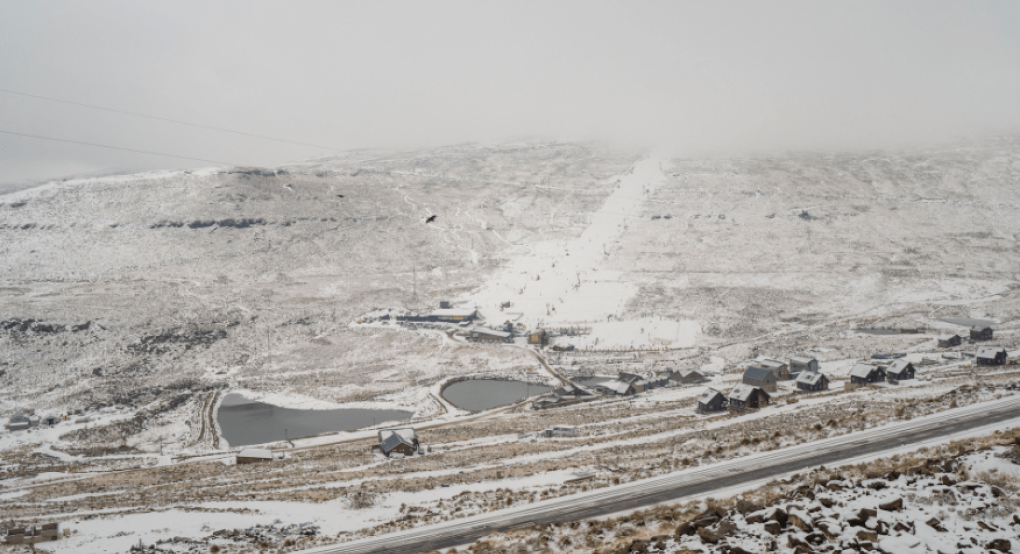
x=985, y=417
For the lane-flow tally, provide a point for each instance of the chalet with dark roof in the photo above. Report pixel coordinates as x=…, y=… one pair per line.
x=760, y=377
x=900, y=370
x=981, y=332
x=863, y=374
x=800, y=364
x=949, y=340
x=990, y=355
x=711, y=401
x=745, y=396
x=812, y=381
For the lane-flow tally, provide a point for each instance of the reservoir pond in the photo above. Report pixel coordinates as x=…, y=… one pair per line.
x=243, y=422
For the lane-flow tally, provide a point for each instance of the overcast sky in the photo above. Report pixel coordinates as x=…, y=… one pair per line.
x=699, y=77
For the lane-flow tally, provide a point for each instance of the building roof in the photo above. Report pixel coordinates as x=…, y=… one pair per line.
x=947, y=336
x=20, y=418
x=490, y=332
x=628, y=377
x=454, y=312
x=617, y=386
x=810, y=378
x=898, y=366
x=989, y=352
x=862, y=370
x=390, y=438
x=771, y=364
x=742, y=392
x=801, y=360
x=709, y=395
x=757, y=373
x=263, y=453
x=980, y=328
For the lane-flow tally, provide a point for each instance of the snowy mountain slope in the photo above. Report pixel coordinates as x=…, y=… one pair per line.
x=132, y=289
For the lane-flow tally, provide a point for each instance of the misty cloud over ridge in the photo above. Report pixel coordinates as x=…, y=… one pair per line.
x=696, y=77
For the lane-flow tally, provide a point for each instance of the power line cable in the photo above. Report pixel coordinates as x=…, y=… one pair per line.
x=117, y=148
x=167, y=120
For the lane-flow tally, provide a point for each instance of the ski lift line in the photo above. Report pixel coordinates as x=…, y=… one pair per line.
x=40, y=137
x=168, y=120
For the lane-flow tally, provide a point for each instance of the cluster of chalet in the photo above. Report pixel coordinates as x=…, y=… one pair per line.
x=398, y=443
x=630, y=383
x=563, y=396
x=977, y=333
x=28, y=419
x=760, y=380
x=898, y=370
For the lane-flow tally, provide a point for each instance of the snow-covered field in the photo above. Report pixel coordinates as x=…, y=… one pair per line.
x=152, y=296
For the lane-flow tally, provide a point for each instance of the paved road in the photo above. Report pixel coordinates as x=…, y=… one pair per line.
x=677, y=486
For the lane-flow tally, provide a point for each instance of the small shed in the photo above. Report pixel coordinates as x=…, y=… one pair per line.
x=253, y=455
x=900, y=370
x=862, y=374
x=51, y=420
x=981, y=332
x=949, y=340
x=19, y=422
x=402, y=441
x=812, y=381
x=800, y=364
x=711, y=401
x=990, y=355
x=560, y=431
x=744, y=396
x=760, y=377
x=781, y=370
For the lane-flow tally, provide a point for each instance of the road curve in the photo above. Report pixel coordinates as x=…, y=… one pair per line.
x=676, y=486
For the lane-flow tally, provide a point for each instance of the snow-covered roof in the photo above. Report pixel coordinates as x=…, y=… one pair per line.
x=390, y=438
x=801, y=360
x=757, y=373
x=263, y=453
x=628, y=377
x=862, y=370
x=490, y=332
x=772, y=364
x=898, y=366
x=980, y=327
x=989, y=352
x=454, y=312
x=708, y=396
x=810, y=378
x=617, y=386
x=742, y=392
x=20, y=418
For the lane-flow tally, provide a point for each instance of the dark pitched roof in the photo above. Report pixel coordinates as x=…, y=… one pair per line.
x=757, y=373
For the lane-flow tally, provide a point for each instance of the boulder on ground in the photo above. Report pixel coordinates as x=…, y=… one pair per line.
x=892, y=505
x=1002, y=545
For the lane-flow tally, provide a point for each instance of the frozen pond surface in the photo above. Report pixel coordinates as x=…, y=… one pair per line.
x=245, y=422
x=485, y=394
